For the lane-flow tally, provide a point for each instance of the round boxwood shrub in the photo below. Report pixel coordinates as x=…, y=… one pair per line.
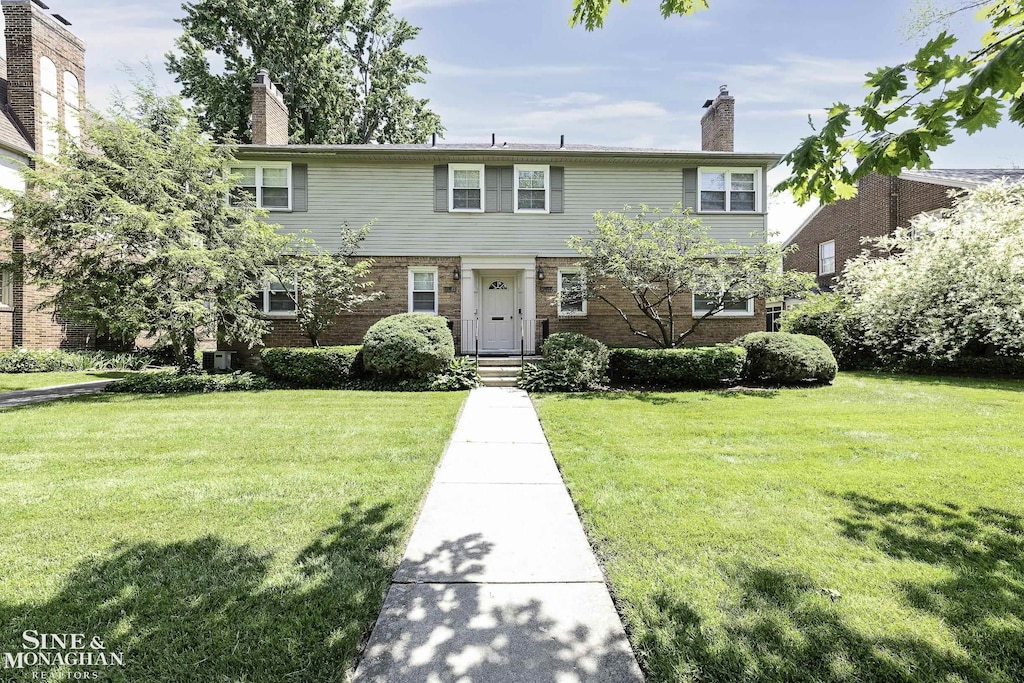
x=408, y=346
x=782, y=358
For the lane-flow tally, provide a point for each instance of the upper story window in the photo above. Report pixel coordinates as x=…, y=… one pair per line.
x=729, y=189
x=532, y=188
x=572, y=301
x=466, y=183
x=72, y=111
x=827, y=258
x=735, y=306
x=266, y=185
x=49, y=139
x=423, y=290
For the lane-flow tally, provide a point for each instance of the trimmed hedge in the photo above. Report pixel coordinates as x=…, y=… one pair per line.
x=326, y=367
x=828, y=316
x=783, y=358
x=994, y=367
x=22, y=360
x=572, y=362
x=705, y=367
x=408, y=346
x=170, y=382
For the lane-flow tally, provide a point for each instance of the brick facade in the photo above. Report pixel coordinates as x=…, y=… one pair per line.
x=882, y=204
x=31, y=34
x=718, y=124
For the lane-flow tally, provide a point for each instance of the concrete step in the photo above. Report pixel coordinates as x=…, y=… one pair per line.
x=497, y=381
x=498, y=361
x=498, y=370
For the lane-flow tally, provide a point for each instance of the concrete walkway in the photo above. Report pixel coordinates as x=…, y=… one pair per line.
x=498, y=582
x=23, y=397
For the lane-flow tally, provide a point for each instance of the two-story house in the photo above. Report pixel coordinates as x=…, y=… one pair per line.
x=477, y=232
x=42, y=77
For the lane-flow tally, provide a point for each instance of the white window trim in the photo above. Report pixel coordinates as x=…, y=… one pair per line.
x=547, y=187
x=451, y=187
x=6, y=290
x=266, y=300
x=698, y=313
x=570, y=314
x=259, y=181
x=424, y=269
x=821, y=260
x=758, y=199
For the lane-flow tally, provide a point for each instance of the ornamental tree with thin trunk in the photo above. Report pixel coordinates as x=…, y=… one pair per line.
x=661, y=259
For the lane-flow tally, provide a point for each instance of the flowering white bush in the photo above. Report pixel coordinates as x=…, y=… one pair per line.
x=951, y=285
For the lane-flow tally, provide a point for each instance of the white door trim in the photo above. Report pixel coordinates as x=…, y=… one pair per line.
x=471, y=284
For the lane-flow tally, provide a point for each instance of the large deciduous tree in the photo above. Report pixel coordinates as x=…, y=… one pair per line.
x=948, y=286
x=344, y=67
x=911, y=109
x=132, y=232
x=659, y=259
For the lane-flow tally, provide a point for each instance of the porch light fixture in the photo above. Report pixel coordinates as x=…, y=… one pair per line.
x=540, y=273
x=457, y=275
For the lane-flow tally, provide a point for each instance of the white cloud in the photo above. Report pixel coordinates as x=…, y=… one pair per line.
x=447, y=69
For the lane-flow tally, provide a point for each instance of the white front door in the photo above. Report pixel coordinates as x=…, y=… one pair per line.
x=498, y=314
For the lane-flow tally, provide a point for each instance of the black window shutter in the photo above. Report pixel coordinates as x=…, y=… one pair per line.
x=557, y=189
x=300, y=187
x=441, y=187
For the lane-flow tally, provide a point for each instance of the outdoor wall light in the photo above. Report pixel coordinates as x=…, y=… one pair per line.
x=457, y=275
x=540, y=273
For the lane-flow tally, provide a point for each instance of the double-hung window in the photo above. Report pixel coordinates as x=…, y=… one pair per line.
x=532, y=189
x=267, y=186
x=277, y=298
x=6, y=289
x=466, y=185
x=729, y=189
x=735, y=306
x=423, y=290
x=827, y=258
x=572, y=301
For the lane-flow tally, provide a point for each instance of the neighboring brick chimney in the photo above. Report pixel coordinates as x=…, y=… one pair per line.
x=269, y=112
x=718, y=125
x=35, y=38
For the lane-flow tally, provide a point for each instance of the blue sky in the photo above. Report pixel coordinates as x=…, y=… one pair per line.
x=515, y=68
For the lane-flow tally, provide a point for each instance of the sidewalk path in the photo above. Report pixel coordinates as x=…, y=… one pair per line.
x=22, y=397
x=498, y=582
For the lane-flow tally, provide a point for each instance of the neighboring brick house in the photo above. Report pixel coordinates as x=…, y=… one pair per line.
x=477, y=233
x=42, y=80
x=833, y=234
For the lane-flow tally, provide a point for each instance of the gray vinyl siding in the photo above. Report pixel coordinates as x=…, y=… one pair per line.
x=401, y=197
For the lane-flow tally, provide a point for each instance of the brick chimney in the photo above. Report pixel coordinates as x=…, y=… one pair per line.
x=718, y=125
x=269, y=112
x=34, y=39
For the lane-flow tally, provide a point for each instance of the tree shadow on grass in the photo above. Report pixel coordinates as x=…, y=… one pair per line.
x=208, y=609
x=786, y=628
x=1015, y=385
x=662, y=397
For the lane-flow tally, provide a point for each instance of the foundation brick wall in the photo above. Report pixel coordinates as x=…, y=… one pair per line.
x=882, y=204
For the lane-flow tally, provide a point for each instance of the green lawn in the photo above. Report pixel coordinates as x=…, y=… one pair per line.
x=37, y=380
x=868, y=531
x=219, y=537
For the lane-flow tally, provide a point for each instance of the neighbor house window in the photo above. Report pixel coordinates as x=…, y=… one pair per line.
x=423, y=290
x=729, y=189
x=278, y=298
x=827, y=258
x=48, y=101
x=735, y=306
x=532, y=189
x=267, y=186
x=571, y=298
x=72, y=113
x=466, y=182
x=6, y=289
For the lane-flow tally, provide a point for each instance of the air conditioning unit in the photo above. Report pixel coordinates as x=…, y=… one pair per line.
x=217, y=360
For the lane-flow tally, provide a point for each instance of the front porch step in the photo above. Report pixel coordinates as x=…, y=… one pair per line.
x=505, y=361
x=499, y=381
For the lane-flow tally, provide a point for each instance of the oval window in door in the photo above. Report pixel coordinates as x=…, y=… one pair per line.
x=498, y=284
